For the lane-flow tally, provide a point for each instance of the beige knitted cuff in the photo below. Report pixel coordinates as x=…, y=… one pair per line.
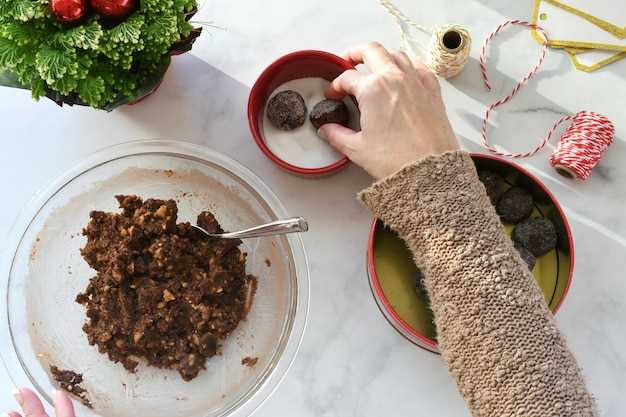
x=437, y=170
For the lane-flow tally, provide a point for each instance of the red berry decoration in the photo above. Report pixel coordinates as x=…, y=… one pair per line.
x=68, y=11
x=114, y=9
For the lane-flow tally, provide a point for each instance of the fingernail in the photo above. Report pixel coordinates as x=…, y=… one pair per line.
x=18, y=397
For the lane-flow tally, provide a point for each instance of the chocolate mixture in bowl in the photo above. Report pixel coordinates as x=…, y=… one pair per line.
x=164, y=292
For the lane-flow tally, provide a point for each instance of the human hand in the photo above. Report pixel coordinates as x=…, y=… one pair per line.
x=403, y=117
x=32, y=406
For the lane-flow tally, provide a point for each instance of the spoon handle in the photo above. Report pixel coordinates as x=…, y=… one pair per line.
x=279, y=227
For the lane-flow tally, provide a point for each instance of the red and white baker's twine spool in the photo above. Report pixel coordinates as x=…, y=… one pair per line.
x=583, y=143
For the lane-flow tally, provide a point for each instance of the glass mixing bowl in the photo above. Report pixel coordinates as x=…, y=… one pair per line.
x=42, y=323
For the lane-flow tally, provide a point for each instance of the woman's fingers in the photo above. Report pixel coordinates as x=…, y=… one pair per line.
x=32, y=406
x=346, y=84
x=419, y=65
x=374, y=55
x=339, y=137
x=30, y=403
x=428, y=78
x=63, y=405
x=403, y=61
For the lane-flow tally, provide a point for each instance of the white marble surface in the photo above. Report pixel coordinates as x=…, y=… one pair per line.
x=352, y=363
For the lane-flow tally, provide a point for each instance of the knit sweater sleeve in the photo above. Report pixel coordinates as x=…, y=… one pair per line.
x=496, y=334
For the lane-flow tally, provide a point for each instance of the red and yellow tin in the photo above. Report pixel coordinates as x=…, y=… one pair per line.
x=392, y=272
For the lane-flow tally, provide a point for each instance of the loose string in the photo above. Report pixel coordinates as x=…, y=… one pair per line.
x=404, y=23
x=581, y=146
x=506, y=99
x=449, y=46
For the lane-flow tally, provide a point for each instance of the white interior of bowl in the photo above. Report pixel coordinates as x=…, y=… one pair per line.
x=48, y=271
x=302, y=147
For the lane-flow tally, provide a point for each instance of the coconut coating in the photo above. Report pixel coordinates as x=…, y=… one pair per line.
x=537, y=235
x=287, y=110
x=494, y=185
x=515, y=205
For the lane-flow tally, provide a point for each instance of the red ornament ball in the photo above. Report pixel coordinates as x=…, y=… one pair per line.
x=68, y=11
x=114, y=9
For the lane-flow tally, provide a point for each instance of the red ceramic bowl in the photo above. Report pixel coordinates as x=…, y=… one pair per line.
x=386, y=253
x=300, y=64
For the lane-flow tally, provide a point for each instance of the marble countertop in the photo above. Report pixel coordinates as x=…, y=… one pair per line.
x=352, y=363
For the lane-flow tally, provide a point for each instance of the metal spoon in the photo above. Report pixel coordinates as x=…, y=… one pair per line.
x=279, y=227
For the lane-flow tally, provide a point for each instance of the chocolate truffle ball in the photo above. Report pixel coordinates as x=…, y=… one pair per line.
x=287, y=110
x=559, y=226
x=537, y=192
x=526, y=255
x=494, y=185
x=536, y=235
x=515, y=205
x=329, y=111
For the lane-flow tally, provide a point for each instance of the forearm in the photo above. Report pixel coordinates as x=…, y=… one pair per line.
x=496, y=333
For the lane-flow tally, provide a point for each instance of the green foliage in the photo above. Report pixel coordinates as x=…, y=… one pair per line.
x=94, y=63
x=84, y=37
x=11, y=54
x=23, y=10
x=92, y=88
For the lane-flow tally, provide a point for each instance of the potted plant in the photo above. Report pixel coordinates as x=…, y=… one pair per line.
x=98, y=53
